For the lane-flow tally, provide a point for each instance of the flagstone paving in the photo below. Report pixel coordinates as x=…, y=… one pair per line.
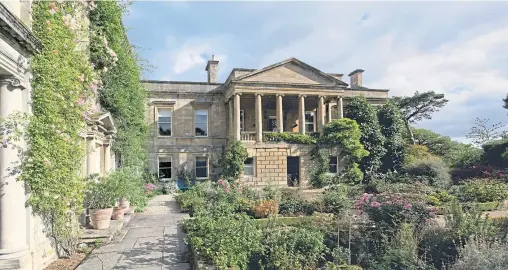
x=151, y=240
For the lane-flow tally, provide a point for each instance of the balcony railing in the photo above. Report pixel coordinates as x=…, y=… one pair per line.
x=249, y=136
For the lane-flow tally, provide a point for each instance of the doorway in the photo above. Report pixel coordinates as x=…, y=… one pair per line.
x=293, y=171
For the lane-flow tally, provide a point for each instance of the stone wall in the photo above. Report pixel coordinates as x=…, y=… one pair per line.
x=271, y=163
x=182, y=147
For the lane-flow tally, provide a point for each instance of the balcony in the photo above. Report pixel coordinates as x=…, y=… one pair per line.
x=273, y=137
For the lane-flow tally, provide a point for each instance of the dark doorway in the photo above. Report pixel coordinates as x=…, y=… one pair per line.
x=293, y=170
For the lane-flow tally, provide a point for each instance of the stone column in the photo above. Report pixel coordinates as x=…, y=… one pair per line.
x=340, y=110
x=279, y=113
x=259, y=118
x=230, y=119
x=13, y=227
x=107, y=156
x=301, y=113
x=329, y=112
x=236, y=126
x=91, y=160
x=321, y=113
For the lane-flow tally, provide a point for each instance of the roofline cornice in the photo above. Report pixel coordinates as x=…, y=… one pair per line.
x=17, y=34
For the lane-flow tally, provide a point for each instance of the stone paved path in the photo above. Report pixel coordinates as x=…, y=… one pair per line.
x=153, y=240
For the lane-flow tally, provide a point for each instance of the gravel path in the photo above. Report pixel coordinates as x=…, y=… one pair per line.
x=152, y=240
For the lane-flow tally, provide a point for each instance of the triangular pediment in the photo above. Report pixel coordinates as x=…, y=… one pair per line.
x=291, y=71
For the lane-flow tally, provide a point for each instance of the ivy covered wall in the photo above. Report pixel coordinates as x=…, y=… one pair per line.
x=122, y=93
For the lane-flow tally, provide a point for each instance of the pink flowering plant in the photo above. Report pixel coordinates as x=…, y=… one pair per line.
x=149, y=188
x=390, y=210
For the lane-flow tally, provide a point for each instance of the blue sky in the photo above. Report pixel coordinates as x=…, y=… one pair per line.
x=456, y=48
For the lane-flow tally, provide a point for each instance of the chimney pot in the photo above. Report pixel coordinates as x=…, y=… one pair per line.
x=211, y=68
x=356, y=77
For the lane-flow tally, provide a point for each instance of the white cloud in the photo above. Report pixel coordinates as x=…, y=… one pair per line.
x=188, y=56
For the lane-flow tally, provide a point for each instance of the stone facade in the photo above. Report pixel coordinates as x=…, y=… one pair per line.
x=24, y=243
x=289, y=96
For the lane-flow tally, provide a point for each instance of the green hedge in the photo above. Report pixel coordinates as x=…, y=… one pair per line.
x=496, y=153
x=289, y=138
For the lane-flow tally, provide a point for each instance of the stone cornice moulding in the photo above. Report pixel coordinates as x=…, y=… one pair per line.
x=12, y=80
x=17, y=34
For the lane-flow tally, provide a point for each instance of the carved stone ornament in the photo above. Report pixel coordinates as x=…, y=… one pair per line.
x=13, y=81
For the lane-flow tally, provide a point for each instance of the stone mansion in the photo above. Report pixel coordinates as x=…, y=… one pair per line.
x=193, y=121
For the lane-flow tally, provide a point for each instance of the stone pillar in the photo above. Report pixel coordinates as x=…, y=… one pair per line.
x=107, y=156
x=301, y=113
x=279, y=113
x=230, y=119
x=13, y=219
x=340, y=110
x=259, y=118
x=321, y=114
x=91, y=156
x=329, y=112
x=236, y=126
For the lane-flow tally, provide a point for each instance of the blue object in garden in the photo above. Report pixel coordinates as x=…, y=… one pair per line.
x=181, y=184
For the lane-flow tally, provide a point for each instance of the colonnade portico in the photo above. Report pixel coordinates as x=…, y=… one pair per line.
x=323, y=109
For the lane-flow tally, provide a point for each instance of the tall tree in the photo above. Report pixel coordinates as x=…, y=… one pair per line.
x=360, y=110
x=419, y=106
x=392, y=127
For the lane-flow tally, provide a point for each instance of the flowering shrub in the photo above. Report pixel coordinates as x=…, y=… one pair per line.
x=390, y=210
x=266, y=208
x=478, y=171
x=149, y=188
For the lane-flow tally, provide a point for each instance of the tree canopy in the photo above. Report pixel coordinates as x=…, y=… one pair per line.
x=392, y=128
x=365, y=114
x=419, y=106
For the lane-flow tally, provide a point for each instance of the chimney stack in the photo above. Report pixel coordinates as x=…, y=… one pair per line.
x=356, y=77
x=211, y=68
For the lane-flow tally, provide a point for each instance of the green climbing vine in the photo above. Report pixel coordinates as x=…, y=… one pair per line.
x=122, y=93
x=63, y=85
x=341, y=136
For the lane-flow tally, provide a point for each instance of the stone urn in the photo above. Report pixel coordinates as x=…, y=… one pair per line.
x=124, y=203
x=118, y=213
x=101, y=218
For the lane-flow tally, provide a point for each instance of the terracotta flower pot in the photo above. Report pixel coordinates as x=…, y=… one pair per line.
x=100, y=218
x=124, y=203
x=118, y=213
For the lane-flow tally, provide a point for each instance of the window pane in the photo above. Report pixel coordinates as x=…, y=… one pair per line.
x=164, y=113
x=165, y=164
x=164, y=120
x=201, y=129
x=201, y=162
x=309, y=117
x=201, y=112
x=164, y=173
x=249, y=161
x=333, y=160
x=201, y=172
x=164, y=129
x=248, y=170
x=201, y=118
x=309, y=127
x=332, y=168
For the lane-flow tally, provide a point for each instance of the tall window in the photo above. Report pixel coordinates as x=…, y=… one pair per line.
x=242, y=120
x=201, y=167
x=248, y=167
x=201, y=123
x=309, y=121
x=333, y=165
x=165, y=168
x=164, y=121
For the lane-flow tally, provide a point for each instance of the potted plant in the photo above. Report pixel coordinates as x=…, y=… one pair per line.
x=100, y=198
x=118, y=213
